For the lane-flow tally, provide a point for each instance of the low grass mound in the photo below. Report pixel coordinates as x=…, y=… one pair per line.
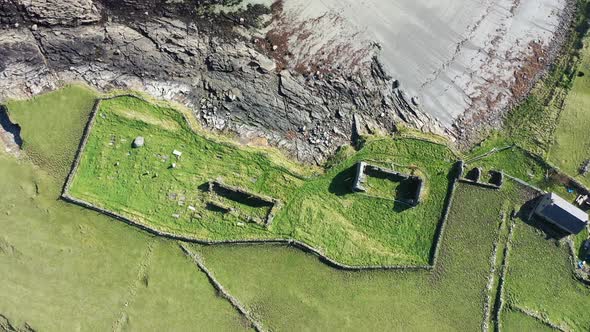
x=52, y=125
x=302, y=292
x=540, y=278
x=164, y=185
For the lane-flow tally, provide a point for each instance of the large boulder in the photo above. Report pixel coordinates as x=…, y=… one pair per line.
x=138, y=142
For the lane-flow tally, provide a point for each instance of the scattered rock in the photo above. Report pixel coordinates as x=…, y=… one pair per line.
x=138, y=142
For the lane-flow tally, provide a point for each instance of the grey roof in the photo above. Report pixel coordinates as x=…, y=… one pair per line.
x=562, y=213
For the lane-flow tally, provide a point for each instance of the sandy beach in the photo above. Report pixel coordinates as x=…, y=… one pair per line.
x=451, y=54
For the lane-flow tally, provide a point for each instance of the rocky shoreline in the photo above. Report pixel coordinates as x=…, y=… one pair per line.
x=225, y=66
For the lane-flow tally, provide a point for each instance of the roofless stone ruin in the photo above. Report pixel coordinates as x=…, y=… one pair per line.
x=415, y=182
x=243, y=196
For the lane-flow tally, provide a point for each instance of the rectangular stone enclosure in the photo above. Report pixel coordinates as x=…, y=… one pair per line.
x=242, y=196
x=414, y=183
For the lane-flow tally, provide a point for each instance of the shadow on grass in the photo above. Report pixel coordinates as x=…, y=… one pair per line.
x=584, y=250
x=204, y=187
x=10, y=127
x=216, y=208
x=400, y=207
x=342, y=183
x=474, y=174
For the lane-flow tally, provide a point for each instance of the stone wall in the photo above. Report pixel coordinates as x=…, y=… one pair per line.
x=278, y=241
x=249, y=198
x=364, y=169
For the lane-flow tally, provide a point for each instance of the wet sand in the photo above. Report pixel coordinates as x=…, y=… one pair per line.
x=452, y=54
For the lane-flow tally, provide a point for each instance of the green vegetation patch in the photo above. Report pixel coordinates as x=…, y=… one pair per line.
x=52, y=125
x=390, y=187
x=517, y=162
x=517, y=321
x=572, y=137
x=64, y=268
x=153, y=186
x=302, y=292
x=540, y=278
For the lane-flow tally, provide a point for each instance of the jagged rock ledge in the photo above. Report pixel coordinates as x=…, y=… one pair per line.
x=230, y=82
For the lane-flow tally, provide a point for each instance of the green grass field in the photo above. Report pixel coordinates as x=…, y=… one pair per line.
x=60, y=260
x=52, y=125
x=518, y=163
x=321, y=210
x=572, y=137
x=540, y=278
x=303, y=293
x=64, y=268
x=517, y=321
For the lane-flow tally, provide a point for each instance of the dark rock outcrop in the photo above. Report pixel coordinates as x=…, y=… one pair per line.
x=169, y=50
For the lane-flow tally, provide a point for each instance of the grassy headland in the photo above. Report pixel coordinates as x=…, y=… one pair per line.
x=153, y=186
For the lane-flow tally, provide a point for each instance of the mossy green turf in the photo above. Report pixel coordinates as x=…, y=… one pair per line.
x=386, y=188
x=540, y=278
x=321, y=211
x=289, y=290
x=52, y=125
x=517, y=162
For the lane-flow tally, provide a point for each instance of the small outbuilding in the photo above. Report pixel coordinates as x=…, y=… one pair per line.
x=561, y=213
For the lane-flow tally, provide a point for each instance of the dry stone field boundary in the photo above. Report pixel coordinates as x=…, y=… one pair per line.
x=277, y=241
x=280, y=241
x=257, y=326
